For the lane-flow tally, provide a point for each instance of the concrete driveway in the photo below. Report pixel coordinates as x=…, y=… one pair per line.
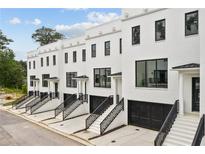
x=17, y=131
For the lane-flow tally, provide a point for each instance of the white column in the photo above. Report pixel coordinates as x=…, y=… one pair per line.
x=181, y=97
x=115, y=91
x=78, y=85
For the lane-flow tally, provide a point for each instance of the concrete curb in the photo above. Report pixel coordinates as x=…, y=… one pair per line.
x=70, y=136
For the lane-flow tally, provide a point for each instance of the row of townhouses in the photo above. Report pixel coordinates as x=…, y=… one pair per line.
x=145, y=69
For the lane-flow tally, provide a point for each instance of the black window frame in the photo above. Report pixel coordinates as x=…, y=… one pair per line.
x=120, y=45
x=107, y=49
x=107, y=77
x=47, y=61
x=145, y=71
x=54, y=60
x=66, y=57
x=74, y=56
x=31, y=82
x=188, y=13
x=156, y=30
x=93, y=52
x=41, y=61
x=83, y=54
x=137, y=42
x=71, y=83
x=34, y=64
x=45, y=82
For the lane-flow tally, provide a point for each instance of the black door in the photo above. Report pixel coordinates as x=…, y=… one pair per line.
x=147, y=114
x=56, y=90
x=195, y=93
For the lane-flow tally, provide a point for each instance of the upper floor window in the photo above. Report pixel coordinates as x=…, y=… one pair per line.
x=41, y=62
x=107, y=48
x=31, y=80
x=120, y=45
x=54, y=59
x=70, y=82
x=34, y=64
x=83, y=55
x=135, y=35
x=101, y=77
x=160, y=30
x=74, y=56
x=151, y=73
x=93, y=50
x=66, y=57
x=44, y=81
x=47, y=61
x=29, y=65
x=191, y=23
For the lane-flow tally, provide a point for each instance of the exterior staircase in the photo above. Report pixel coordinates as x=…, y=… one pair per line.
x=95, y=127
x=182, y=131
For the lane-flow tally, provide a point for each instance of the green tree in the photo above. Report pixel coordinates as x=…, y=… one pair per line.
x=4, y=41
x=46, y=35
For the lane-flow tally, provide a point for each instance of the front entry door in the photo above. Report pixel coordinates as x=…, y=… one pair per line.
x=56, y=89
x=195, y=94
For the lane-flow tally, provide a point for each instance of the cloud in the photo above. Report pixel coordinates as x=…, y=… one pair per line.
x=102, y=17
x=36, y=22
x=75, y=29
x=15, y=21
x=73, y=9
x=93, y=19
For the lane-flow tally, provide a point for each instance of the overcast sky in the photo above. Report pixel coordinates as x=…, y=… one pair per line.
x=19, y=24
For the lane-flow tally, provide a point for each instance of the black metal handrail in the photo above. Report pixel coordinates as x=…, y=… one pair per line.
x=19, y=100
x=167, y=124
x=200, y=132
x=35, y=101
x=99, y=111
x=39, y=104
x=24, y=101
x=111, y=116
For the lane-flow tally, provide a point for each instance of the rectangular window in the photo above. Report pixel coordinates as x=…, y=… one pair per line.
x=41, y=62
x=74, y=56
x=93, y=50
x=83, y=55
x=34, y=64
x=152, y=73
x=44, y=81
x=120, y=45
x=191, y=23
x=54, y=59
x=107, y=48
x=66, y=57
x=31, y=78
x=47, y=61
x=29, y=65
x=160, y=30
x=70, y=82
x=135, y=35
x=101, y=77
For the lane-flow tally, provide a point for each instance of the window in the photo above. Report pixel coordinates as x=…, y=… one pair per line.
x=74, y=56
x=191, y=23
x=83, y=55
x=34, y=64
x=107, y=48
x=120, y=45
x=54, y=59
x=41, y=62
x=29, y=65
x=160, y=30
x=45, y=82
x=101, y=77
x=93, y=50
x=47, y=61
x=31, y=80
x=152, y=73
x=135, y=35
x=70, y=82
x=66, y=58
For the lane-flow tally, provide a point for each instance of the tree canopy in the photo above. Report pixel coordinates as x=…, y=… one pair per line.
x=46, y=35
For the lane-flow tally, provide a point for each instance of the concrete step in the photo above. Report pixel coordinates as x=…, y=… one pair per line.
x=182, y=130
x=174, y=142
x=182, y=135
x=187, y=123
x=188, y=128
x=181, y=139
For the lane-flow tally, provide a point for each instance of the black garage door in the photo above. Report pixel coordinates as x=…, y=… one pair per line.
x=95, y=101
x=146, y=114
